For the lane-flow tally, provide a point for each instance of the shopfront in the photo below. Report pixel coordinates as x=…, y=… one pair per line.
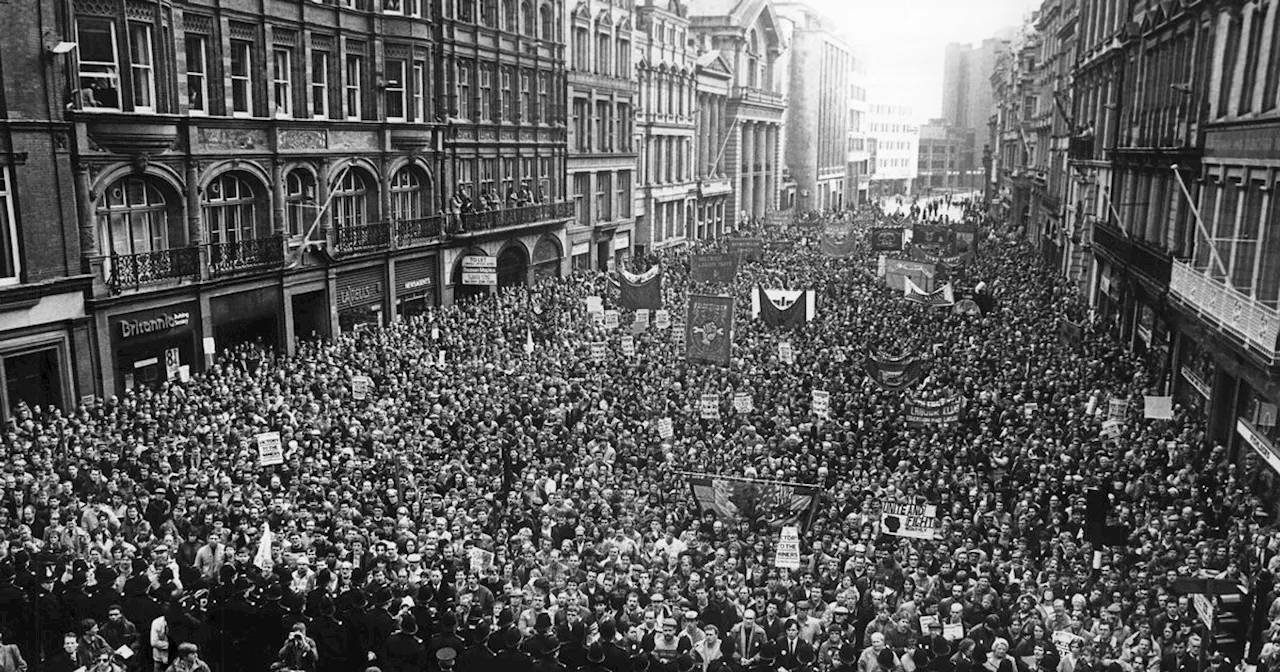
x=359, y=298
x=1151, y=339
x=1109, y=303
x=1196, y=370
x=621, y=249
x=152, y=346
x=581, y=256
x=246, y=317
x=1262, y=453
x=415, y=286
x=546, y=260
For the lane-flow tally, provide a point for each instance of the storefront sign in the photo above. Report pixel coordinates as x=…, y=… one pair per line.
x=161, y=322
x=358, y=293
x=415, y=276
x=1195, y=382
x=1255, y=142
x=479, y=270
x=1260, y=444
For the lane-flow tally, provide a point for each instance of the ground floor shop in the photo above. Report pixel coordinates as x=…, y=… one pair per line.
x=45, y=356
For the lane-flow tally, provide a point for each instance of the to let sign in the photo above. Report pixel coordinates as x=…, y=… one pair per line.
x=479, y=270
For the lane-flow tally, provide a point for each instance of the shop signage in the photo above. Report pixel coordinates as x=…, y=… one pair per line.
x=415, y=276
x=1195, y=382
x=161, y=322
x=479, y=270
x=1260, y=444
x=360, y=294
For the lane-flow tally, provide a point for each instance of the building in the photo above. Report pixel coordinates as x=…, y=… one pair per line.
x=666, y=125
x=275, y=171
x=1058, y=23
x=820, y=75
x=967, y=96
x=857, y=156
x=896, y=151
x=46, y=335
x=712, y=137
x=946, y=161
x=748, y=37
x=602, y=154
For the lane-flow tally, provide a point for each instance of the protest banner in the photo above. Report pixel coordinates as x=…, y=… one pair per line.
x=270, y=452
x=734, y=498
x=709, y=406
x=360, y=386
x=748, y=248
x=886, y=238
x=901, y=519
x=709, y=329
x=936, y=412
x=717, y=267
x=788, y=555
x=822, y=403
x=894, y=374
x=640, y=291
x=1157, y=408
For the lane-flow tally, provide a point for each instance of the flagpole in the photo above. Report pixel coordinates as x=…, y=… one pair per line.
x=1213, y=249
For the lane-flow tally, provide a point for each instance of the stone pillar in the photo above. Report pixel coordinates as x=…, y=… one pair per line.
x=195, y=227
x=279, y=221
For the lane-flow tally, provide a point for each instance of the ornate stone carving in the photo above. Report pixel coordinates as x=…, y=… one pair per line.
x=303, y=138
x=232, y=138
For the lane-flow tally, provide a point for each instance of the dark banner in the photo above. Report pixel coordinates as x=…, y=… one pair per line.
x=810, y=220
x=838, y=245
x=709, y=329
x=948, y=260
x=1071, y=333
x=939, y=298
x=749, y=248
x=886, y=239
x=929, y=234
x=894, y=375
x=966, y=239
x=719, y=267
x=776, y=314
x=780, y=245
x=779, y=218
x=640, y=291
x=741, y=499
x=939, y=412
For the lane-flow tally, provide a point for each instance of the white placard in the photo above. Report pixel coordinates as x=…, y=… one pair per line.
x=360, y=386
x=184, y=373
x=628, y=347
x=642, y=316
x=595, y=304
x=598, y=352
x=662, y=319
x=786, y=353
x=709, y=406
x=269, y=449
x=1030, y=408
x=172, y=361
x=611, y=319
x=822, y=403
x=743, y=403
x=666, y=429
x=1157, y=408
x=788, y=555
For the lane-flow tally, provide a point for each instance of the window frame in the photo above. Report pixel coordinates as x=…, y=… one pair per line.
x=244, y=81
x=353, y=87
x=390, y=91
x=462, y=90
x=282, y=82
x=142, y=72
x=112, y=66
x=419, y=96
x=9, y=228
x=201, y=42
x=319, y=86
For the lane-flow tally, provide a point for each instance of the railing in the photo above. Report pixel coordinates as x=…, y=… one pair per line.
x=758, y=95
x=498, y=219
x=131, y=271
x=364, y=237
x=240, y=255
x=1136, y=253
x=410, y=231
x=1256, y=324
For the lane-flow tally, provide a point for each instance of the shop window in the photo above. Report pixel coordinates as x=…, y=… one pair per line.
x=232, y=210
x=135, y=217
x=351, y=200
x=34, y=379
x=10, y=263
x=300, y=201
x=410, y=194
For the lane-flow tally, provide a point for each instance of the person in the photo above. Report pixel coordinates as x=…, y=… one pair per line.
x=403, y=650
x=793, y=649
x=299, y=653
x=709, y=653
x=744, y=641
x=188, y=659
x=11, y=659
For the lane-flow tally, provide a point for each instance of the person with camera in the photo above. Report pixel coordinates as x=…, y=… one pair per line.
x=298, y=653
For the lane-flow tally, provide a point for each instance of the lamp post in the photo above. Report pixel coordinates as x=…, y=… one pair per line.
x=986, y=177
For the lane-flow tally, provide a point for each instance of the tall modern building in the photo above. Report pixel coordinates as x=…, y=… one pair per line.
x=945, y=152
x=858, y=155
x=820, y=74
x=967, y=101
x=896, y=149
x=602, y=154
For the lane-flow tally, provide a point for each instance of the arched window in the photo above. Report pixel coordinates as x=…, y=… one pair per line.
x=527, y=25
x=299, y=201
x=351, y=200
x=232, y=211
x=753, y=60
x=509, y=16
x=135, y=217
x=548, y=21
x=488, y=12
x=410, y=194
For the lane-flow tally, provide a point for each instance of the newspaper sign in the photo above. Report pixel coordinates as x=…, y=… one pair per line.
x=919, y=521
x=788, y=555
x=1117, y=409
x=480, y=559
x=665, y=428
x=628, y=347
x=822, y=403
x=662, y=319
x=709, y=406
x=786, y=353
x=269, y=450
x=360, y=386
x=642, y=317
x=611, y=319
x=479, y=270
x=743, y=403
x=598, y=352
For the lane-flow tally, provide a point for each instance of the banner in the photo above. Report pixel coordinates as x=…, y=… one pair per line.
x=709, y=406
x=709, y=329
x=948, y=260
x=1070, y=333
x=595, y=304
x=919, y=272
x=743, y=403
x=838, y=246
x=894, y=375
x=779, y=218
x=886, y=239
x=938, y=298
x=783, y=298
x=966, y=238
x=822, y=403
x=929, y=234
x=640, y=291
x=736, y=499
x=918, y=521
x=780, y=245
x=717, y=267
x=749, y=248
x=270, y=451
x=778, y=311
x=939, y=412
x=788, y=555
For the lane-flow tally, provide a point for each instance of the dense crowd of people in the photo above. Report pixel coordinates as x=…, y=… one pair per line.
x=485, y=504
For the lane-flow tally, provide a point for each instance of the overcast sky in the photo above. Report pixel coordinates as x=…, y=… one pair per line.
x=903, y=40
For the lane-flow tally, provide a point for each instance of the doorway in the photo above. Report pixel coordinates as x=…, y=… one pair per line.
x=310, y=316
x=34, y=378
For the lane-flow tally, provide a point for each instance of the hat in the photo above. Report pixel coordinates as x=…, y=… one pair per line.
x=685, y=662
x=187, y=647
x=506, y=617
x=848, y=654
x=806, y=655
x=595, y=653
x=446, y=655
x=886, y=658
x=543, y=622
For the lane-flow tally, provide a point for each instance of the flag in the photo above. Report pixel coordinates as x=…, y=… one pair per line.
x=786, y=297
x=262, y=560
x=709, y=329
x=640, y=291
x=718, y=267
x=528, y=341
x=894, y=375
x=782, y=311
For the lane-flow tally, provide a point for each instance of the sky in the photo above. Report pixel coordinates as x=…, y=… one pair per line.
x=904, y=41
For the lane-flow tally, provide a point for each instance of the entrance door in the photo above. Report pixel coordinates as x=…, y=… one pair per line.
x=34, y=378
x=513, y=267
x=310, y=316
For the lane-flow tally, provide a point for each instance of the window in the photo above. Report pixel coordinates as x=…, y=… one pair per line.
x=230, y=210
x=241, y=87
x=582, y=124
x=527, y=25
x=624, y=194
x=1245, y=248
x=401, y=7
x=581, y=49
x=1272, y=87
x=282, y=84
x=300, y=201
x=506, y=112
x=350, y=204
x=467, y=10
x=526, y=96
x=319, y=84
x=463, y=83
x=1253, y=53
x=623, y=67
x=355, y=71
x=509, y=16
x=10, y=264
x=544, y=190
x=623, y=132
x=1231, y=51
x=581, y=190
x=197, y=74
x=1268, y=290
x=142, y=67
x=420, y=90
x=395, y=89
x=466, y=177
x=543, y=111
x=604, y=54
x=547, y=21
x=487, y=169
x=133, y=217
x=604, y=197
x=409, y=199
x=603, y=127
x=486, y=93
x=99, y=67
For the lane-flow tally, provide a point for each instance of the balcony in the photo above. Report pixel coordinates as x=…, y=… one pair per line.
x=245, y=255
x=1255, y=324
x=476, y=222
x=714, y=185
x=1138, y=255
x=133, y=271
x=413, y=231
x=363, y=238
x=754, y=95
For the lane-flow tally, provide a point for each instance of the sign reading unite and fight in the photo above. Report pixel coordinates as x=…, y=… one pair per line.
x=909, y=520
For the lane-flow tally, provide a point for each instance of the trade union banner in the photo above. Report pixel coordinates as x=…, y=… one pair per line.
x=942, y=297
x=894, y=375
x=886, y=239
x=933, y=412
x=897, y=271
x=718, y=267
x=839, y=246
x=1070, y=333
x=749, y=248
x=640, y=291
x=901, y=519
x=948, y=260
x=966, y=238
x=928, y=234
x=782, y=311
x=709, y=329
x=734, y=499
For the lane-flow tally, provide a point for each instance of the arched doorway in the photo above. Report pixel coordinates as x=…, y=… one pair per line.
x=546, y=259
x=513, y=266
x=464, y=293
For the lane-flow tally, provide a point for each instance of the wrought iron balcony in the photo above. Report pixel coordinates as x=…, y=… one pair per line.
x=473, y=222
x=132, y=271
x=241, y=255
x=364, y=237
x=411, y=231
x=1256, y=324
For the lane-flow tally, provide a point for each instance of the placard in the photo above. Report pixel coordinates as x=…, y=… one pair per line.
x=269, y=449
x=360, y=386
x=1030, y=408
x=172, y=360
x=1157, y=408
x=822, y=403
x=665, y=428
x=743, y=403
x=628, y=347
x=480, y=559
x=184, y=373
x=642, y=316
x=901, y=519
x=598, y=352
x=710, y=406
x=595, y=304
x=1117, y=409
x=952, y=631
x=788, y=555
x=1111, y=428
x=662, y=319
x=611, y=319
x=786, y=353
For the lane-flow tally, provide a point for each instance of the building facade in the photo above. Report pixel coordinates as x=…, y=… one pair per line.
x=712, y=136
x=896, y=150
x=967, y=96
x=946, y=158
x=820, y=73
x=277, y=171
x=602, y=152
x=858, y=155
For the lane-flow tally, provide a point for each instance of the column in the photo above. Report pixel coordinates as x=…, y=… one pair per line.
x=762, y=189
x=745, y=156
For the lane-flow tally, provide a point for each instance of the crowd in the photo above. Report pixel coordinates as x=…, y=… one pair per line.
x=487, y=505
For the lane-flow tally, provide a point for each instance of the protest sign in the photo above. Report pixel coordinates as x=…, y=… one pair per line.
x=743, y=403
x=1157, y=408
x=611, y=319
x=665, y=428
x=628, y=347
x=642, y=316
x=709, y=406
x=662, y=319
x=1117, y=409
x=786, y=353
x=595, y=304
x=939, y=412
x=480, y=559
x=360, y=386
x=788, y=555
x=270, y=451
x=822, y=403
x=919, y=521
x=598, y=352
